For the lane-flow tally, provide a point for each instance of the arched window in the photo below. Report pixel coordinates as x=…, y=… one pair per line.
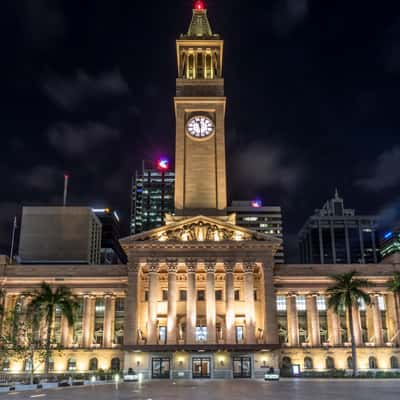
x=394, y=362
x=71, y=365
x=330, y=363
x=286, y=362
x=5, y=365
x=373, y=364
x=350, y=362
x=93, y=364
x=308, y=363
x=28, y=365
x=115, y=364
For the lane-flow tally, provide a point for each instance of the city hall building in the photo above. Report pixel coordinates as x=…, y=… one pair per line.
x=200, y=296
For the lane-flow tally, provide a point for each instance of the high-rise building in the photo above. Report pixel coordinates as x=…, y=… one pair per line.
x=336, y=235
x=59, y=235
x=152, y=195
x=111, y=250
x=264, y=219
x=390, y=245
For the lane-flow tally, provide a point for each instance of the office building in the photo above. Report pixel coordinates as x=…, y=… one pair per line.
x=111, y=250
x=59, y=235
x=152, y=195
x=336, y=235
x=265, y=219
x=390, y=245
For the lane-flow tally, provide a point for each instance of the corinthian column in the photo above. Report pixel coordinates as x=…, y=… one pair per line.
x=293, y=322
x=249, y=300
x=171, y=323
x=152, y=303
x=334, y=331
x=377, y=320
x=88, y=320
x=210, y=303
x=109, y=320
x=313, y=320
x=131, y=301
x=229, y=302
x=191, y=301
x=65, y=332
x=392, y=319
x=270, y=320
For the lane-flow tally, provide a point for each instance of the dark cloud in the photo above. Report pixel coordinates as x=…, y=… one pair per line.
x=42, y=21
x=69, y=93
x=41, y=177
x=289, y=14
x=385, y=173
x=78, y=139
x=260, y=165
x=392, y=47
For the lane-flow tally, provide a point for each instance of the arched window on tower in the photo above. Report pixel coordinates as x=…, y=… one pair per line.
x=286, y=362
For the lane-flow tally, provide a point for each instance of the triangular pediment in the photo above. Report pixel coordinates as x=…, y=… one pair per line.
x=200, y=229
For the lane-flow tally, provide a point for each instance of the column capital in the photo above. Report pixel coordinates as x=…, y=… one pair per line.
x=172, y=264
x=191, y=264
x=153, y=264
x=248, y=265
x=210, y=264
x=133, y=266
x=109, y=295
x=229, y=265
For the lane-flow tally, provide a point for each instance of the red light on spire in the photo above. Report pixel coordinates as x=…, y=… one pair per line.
x=199, y=5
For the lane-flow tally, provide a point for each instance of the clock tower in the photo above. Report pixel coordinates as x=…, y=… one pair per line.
x=200, y=182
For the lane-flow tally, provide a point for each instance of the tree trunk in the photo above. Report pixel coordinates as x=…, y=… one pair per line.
x=49, y=319
x=32, y=358
x=353, y=342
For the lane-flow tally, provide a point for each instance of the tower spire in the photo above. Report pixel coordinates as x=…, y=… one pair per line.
x=199, y=26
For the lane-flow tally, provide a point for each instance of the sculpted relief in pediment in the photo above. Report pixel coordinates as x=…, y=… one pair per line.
x=200, y=231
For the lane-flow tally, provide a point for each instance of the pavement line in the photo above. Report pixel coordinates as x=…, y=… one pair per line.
x=38, y=395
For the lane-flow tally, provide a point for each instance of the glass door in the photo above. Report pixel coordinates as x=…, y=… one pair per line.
x=201, y=367
x=242, y=367
x=160, y=368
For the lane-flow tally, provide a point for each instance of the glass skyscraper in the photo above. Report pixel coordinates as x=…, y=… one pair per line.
x=335, y=235
x=152, y=195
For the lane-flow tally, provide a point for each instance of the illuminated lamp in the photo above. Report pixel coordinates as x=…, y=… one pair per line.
x=199, y=5
x=163, y=164
x=256, y=203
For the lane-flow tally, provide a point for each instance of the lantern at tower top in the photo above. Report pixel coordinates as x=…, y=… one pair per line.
x=199, y=5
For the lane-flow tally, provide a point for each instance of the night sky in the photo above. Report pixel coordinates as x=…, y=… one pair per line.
x=313, y=101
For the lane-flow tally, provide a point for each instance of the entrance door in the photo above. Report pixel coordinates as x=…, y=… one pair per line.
x=160, y=368
x=242, y=367
x=201, y=367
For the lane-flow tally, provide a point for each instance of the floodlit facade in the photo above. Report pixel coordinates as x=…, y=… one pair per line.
x=201, y=296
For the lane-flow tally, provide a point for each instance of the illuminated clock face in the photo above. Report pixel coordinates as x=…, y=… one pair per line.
x=200, y=126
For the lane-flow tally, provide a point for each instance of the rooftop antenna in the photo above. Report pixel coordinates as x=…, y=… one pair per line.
x=66, y=177
x=14, y=228
x=336, y=193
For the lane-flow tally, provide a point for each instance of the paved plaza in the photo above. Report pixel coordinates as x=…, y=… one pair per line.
x=226, y=389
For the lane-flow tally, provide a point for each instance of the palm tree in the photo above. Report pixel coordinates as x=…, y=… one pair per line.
x=345, y=294
x=394, y=286
x=2, y=308
x=43, y=305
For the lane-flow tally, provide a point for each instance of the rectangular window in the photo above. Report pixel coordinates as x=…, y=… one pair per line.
x=165, y=295
x=255, y=295
x=239, y=334
x=201, y=334
x=201, y=295
x=381, y=303
x=162, y=335
x=281, y=303
x=146, y=295
x=321, y=304
x=182, y=295
x=237, y=295
x=300, y=303
x=361, y=303
x=218, y=295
